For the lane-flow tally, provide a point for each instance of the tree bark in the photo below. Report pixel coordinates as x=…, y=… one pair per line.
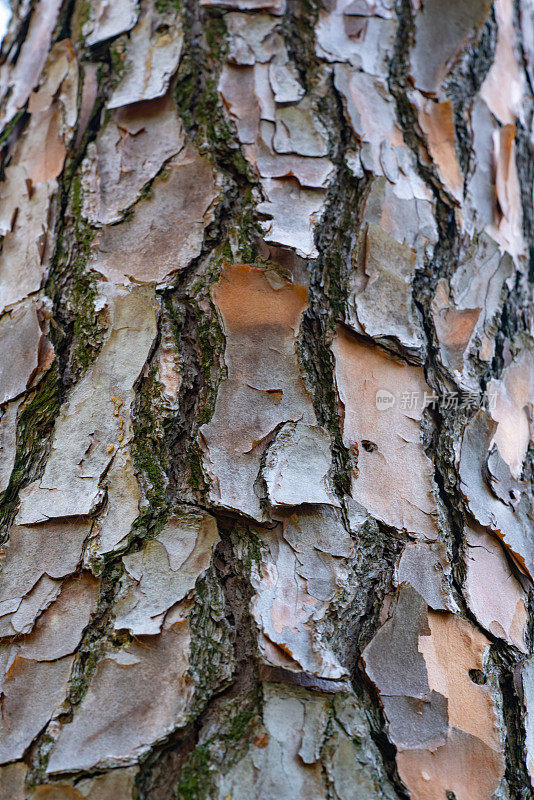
x=267, y=392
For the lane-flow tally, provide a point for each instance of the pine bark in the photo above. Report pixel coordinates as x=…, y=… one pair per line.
x=267, y=391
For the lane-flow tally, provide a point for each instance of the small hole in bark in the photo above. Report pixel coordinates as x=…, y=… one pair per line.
x=451, y=795
x=371, y=447
x=477, y=676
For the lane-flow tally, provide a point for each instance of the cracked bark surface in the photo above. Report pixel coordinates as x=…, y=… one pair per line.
x=267, y=400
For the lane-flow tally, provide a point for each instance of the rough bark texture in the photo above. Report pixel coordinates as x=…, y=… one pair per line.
x=266, y=391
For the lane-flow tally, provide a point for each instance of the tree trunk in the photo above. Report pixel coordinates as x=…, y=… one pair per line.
x=267, y=392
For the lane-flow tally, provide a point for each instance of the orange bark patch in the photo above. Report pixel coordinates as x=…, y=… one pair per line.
x=394, y=482
x=452, y=650
x=454, y=327
x=464, y=768
x=248, y=299
x=437, y=122
x=261, y=314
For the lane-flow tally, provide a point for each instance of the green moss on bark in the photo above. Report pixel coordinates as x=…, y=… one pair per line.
x=148, y=450
x=36, y=423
